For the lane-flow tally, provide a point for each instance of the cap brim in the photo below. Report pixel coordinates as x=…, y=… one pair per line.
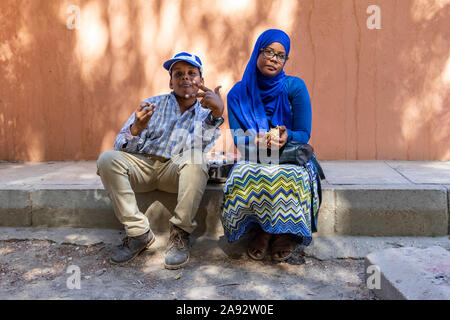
x=170, y=62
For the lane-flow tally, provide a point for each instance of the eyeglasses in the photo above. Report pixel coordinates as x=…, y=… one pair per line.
x=269, y=54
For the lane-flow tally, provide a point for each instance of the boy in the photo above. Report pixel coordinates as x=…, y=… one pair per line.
x=162, y=147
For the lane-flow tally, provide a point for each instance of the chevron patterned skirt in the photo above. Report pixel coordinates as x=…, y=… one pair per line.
x=278, y=198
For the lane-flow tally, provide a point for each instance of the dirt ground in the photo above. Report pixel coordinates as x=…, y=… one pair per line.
x=38, y=269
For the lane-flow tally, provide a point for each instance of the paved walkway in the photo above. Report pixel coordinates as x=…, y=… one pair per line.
x=360, y=172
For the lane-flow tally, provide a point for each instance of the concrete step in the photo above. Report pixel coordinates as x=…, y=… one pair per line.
x=410, y=273
x=366, y=198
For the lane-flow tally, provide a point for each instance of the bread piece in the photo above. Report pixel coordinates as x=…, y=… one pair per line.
x=274, y=132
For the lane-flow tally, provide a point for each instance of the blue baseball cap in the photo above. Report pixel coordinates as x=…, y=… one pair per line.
x=184, y=56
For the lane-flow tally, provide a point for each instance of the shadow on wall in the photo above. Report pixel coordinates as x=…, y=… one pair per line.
x=377, y=94
x=426, y=112
x=381, y=94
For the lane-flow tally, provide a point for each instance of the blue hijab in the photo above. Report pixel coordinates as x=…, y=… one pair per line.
x=258, y=98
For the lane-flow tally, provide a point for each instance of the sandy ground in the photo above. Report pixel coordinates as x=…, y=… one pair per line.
x=38, y=269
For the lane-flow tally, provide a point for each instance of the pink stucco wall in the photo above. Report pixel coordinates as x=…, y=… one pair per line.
x=376, y=94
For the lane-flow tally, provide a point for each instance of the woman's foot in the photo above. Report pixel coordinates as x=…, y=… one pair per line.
x=258, y=246
x=283, y=247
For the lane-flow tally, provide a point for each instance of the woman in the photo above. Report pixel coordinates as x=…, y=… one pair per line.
x=276, y=199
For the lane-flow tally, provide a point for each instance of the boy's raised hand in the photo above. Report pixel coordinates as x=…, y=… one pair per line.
x=211, y=99
x=141, y=118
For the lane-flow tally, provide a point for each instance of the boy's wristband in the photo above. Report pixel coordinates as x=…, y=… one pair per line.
x=216, y=122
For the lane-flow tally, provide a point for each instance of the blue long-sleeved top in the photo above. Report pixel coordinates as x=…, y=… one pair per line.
x=301, y=113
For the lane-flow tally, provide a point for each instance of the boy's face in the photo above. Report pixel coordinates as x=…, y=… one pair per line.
x=183, y=74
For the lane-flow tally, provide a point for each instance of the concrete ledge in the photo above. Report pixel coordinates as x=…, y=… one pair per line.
x=76, y=208
x=391, y=210
x=15, y=207
x=448, y=210
x=366, y=198
x=326, y=221
x=346, y=210
x=412, y=273
x=87, y=207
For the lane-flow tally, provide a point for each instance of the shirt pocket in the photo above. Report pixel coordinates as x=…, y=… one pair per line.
x=157, y=128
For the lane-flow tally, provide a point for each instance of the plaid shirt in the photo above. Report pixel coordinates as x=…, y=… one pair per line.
x=169, y=132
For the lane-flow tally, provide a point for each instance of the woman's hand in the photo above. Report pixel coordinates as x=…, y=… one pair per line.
x=262, y=140
x=278, y=142
x=141, y=118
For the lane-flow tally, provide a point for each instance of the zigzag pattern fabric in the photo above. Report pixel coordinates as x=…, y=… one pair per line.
x=276, y=197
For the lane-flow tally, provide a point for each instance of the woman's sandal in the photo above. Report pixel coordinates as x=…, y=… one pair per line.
x=283, y=247
x=259, y=245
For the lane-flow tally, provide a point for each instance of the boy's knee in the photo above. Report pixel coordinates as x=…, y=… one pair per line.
x=106, y=159
x=195, y=171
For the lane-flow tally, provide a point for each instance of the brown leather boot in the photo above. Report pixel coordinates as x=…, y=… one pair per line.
x=132, y=246
x=177, y=252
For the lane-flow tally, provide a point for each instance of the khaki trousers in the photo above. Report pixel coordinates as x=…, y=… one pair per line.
x=124, y=173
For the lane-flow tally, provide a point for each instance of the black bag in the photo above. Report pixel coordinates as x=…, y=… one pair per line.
x=298, y=153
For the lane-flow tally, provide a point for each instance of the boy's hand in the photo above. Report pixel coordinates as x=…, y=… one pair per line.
x=141, y=118
x=211, y=99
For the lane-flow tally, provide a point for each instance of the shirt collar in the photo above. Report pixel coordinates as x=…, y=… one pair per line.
x=192, y=109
